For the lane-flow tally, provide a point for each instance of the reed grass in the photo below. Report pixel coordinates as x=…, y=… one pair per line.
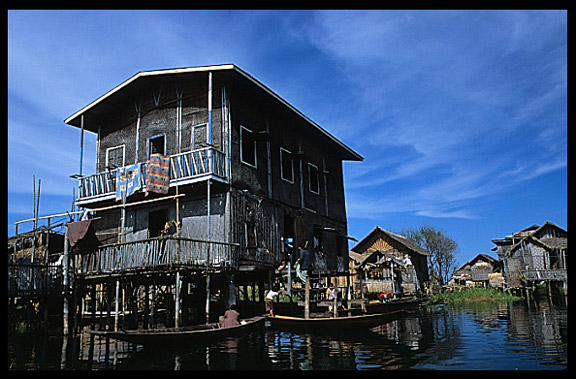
x=473, y=295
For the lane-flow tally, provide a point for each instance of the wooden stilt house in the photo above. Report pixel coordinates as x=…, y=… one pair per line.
x=388, y=262
x=201, y=174
x=477, y=271
x=535, y=254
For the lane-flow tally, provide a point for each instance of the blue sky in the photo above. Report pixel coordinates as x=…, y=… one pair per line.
x=461, y=116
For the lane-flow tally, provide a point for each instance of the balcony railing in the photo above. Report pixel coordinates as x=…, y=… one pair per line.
x=184, y=168
x=158, y=253
x=549, y=274
x=34, y=279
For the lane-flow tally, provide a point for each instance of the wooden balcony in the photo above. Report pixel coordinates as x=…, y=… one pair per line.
x=34, y=279
x=549, y=274
x=185, y=168
x=157, y=253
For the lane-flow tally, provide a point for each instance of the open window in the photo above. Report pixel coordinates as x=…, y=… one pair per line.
x=247, y=146
x=115, y=157
x=157, y=145
x=157, y=221
x=250, y=230
x=313, y=179
x=286, y=166
x=199, y=136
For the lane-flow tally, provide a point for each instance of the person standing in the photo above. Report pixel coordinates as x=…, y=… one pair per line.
x=304, y=262
x=275, y=291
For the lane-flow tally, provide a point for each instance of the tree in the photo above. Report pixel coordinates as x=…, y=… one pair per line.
x=442, y=248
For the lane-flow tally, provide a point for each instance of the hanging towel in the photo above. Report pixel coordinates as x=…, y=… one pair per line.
x=158, y=174
x=77, y=231
x=128, y=180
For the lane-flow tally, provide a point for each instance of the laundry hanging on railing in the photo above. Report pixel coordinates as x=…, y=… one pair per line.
x=158, y=174
x=128, y=180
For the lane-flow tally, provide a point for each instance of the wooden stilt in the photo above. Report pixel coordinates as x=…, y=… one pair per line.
x=108, y=306
x=177, y=300
x=65, y=310
x=116, y=305
x=207, y=311
x=146, y=306
x=307, y=298
x=231, y=298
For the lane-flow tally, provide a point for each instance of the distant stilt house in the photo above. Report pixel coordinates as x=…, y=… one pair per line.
x=34, y=266
x=201, y=174
x=387, y=262
x=481, y=270
x=535, y=254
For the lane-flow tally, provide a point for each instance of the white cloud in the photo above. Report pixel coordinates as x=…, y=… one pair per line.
x=455, y=102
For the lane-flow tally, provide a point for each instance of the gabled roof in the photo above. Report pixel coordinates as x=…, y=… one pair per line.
x=479, y=257
x=382, y=256
x=134, y=85
x=410, y=245
x=547, y=243
x=513, y=241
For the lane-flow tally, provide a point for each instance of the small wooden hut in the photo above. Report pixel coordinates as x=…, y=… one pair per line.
x=388, y=262
x=477, y=271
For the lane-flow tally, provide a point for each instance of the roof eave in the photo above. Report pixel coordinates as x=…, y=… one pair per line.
x=74, y=119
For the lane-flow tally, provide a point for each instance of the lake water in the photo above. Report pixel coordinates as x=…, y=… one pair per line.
x=506, y=336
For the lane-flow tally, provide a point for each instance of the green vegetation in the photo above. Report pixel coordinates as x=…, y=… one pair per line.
x=473, y=295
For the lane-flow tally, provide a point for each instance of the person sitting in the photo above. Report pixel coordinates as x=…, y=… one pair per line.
x=230, y=318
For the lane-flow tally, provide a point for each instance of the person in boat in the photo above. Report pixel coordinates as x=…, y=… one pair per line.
x=275, y=291
x=385, y=297
x=304, y=262
x=230, y=318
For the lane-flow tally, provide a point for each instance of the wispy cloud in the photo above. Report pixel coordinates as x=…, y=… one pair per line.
x=453, y=102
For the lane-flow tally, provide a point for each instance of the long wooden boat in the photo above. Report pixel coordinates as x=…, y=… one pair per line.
x=406, y=304
x=167, y=337
x=344, y=323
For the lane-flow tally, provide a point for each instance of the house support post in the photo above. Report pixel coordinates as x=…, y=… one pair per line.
x=146, y=320
x=209, y=108
x=65, y=326
x=207, y=297
x=363, y=302
x=177, y=299
x=231, y=290
x=335, y=304
x=116, y=305
x=307, y=298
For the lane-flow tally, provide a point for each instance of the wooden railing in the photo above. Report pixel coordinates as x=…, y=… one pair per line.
x=189, y=165
x=157, y=253
x=197, y=163
x=34, y=279
x=549, y=274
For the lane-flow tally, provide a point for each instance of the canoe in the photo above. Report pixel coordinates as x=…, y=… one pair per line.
x=166, y=337
x=336, y=323
x=406, y=304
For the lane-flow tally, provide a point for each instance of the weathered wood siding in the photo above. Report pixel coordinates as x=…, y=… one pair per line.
x=160, y=111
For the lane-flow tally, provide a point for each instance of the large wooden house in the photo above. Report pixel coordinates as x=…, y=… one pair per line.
x=535, y=254
x=201, y=174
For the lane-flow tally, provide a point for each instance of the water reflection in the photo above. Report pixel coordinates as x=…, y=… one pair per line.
x=506, y=336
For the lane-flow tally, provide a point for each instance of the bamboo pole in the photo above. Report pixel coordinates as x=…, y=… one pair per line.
x=307, y=298
x=65, y=326
x=177, y=299
x=98, y=209
x=116, y=305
